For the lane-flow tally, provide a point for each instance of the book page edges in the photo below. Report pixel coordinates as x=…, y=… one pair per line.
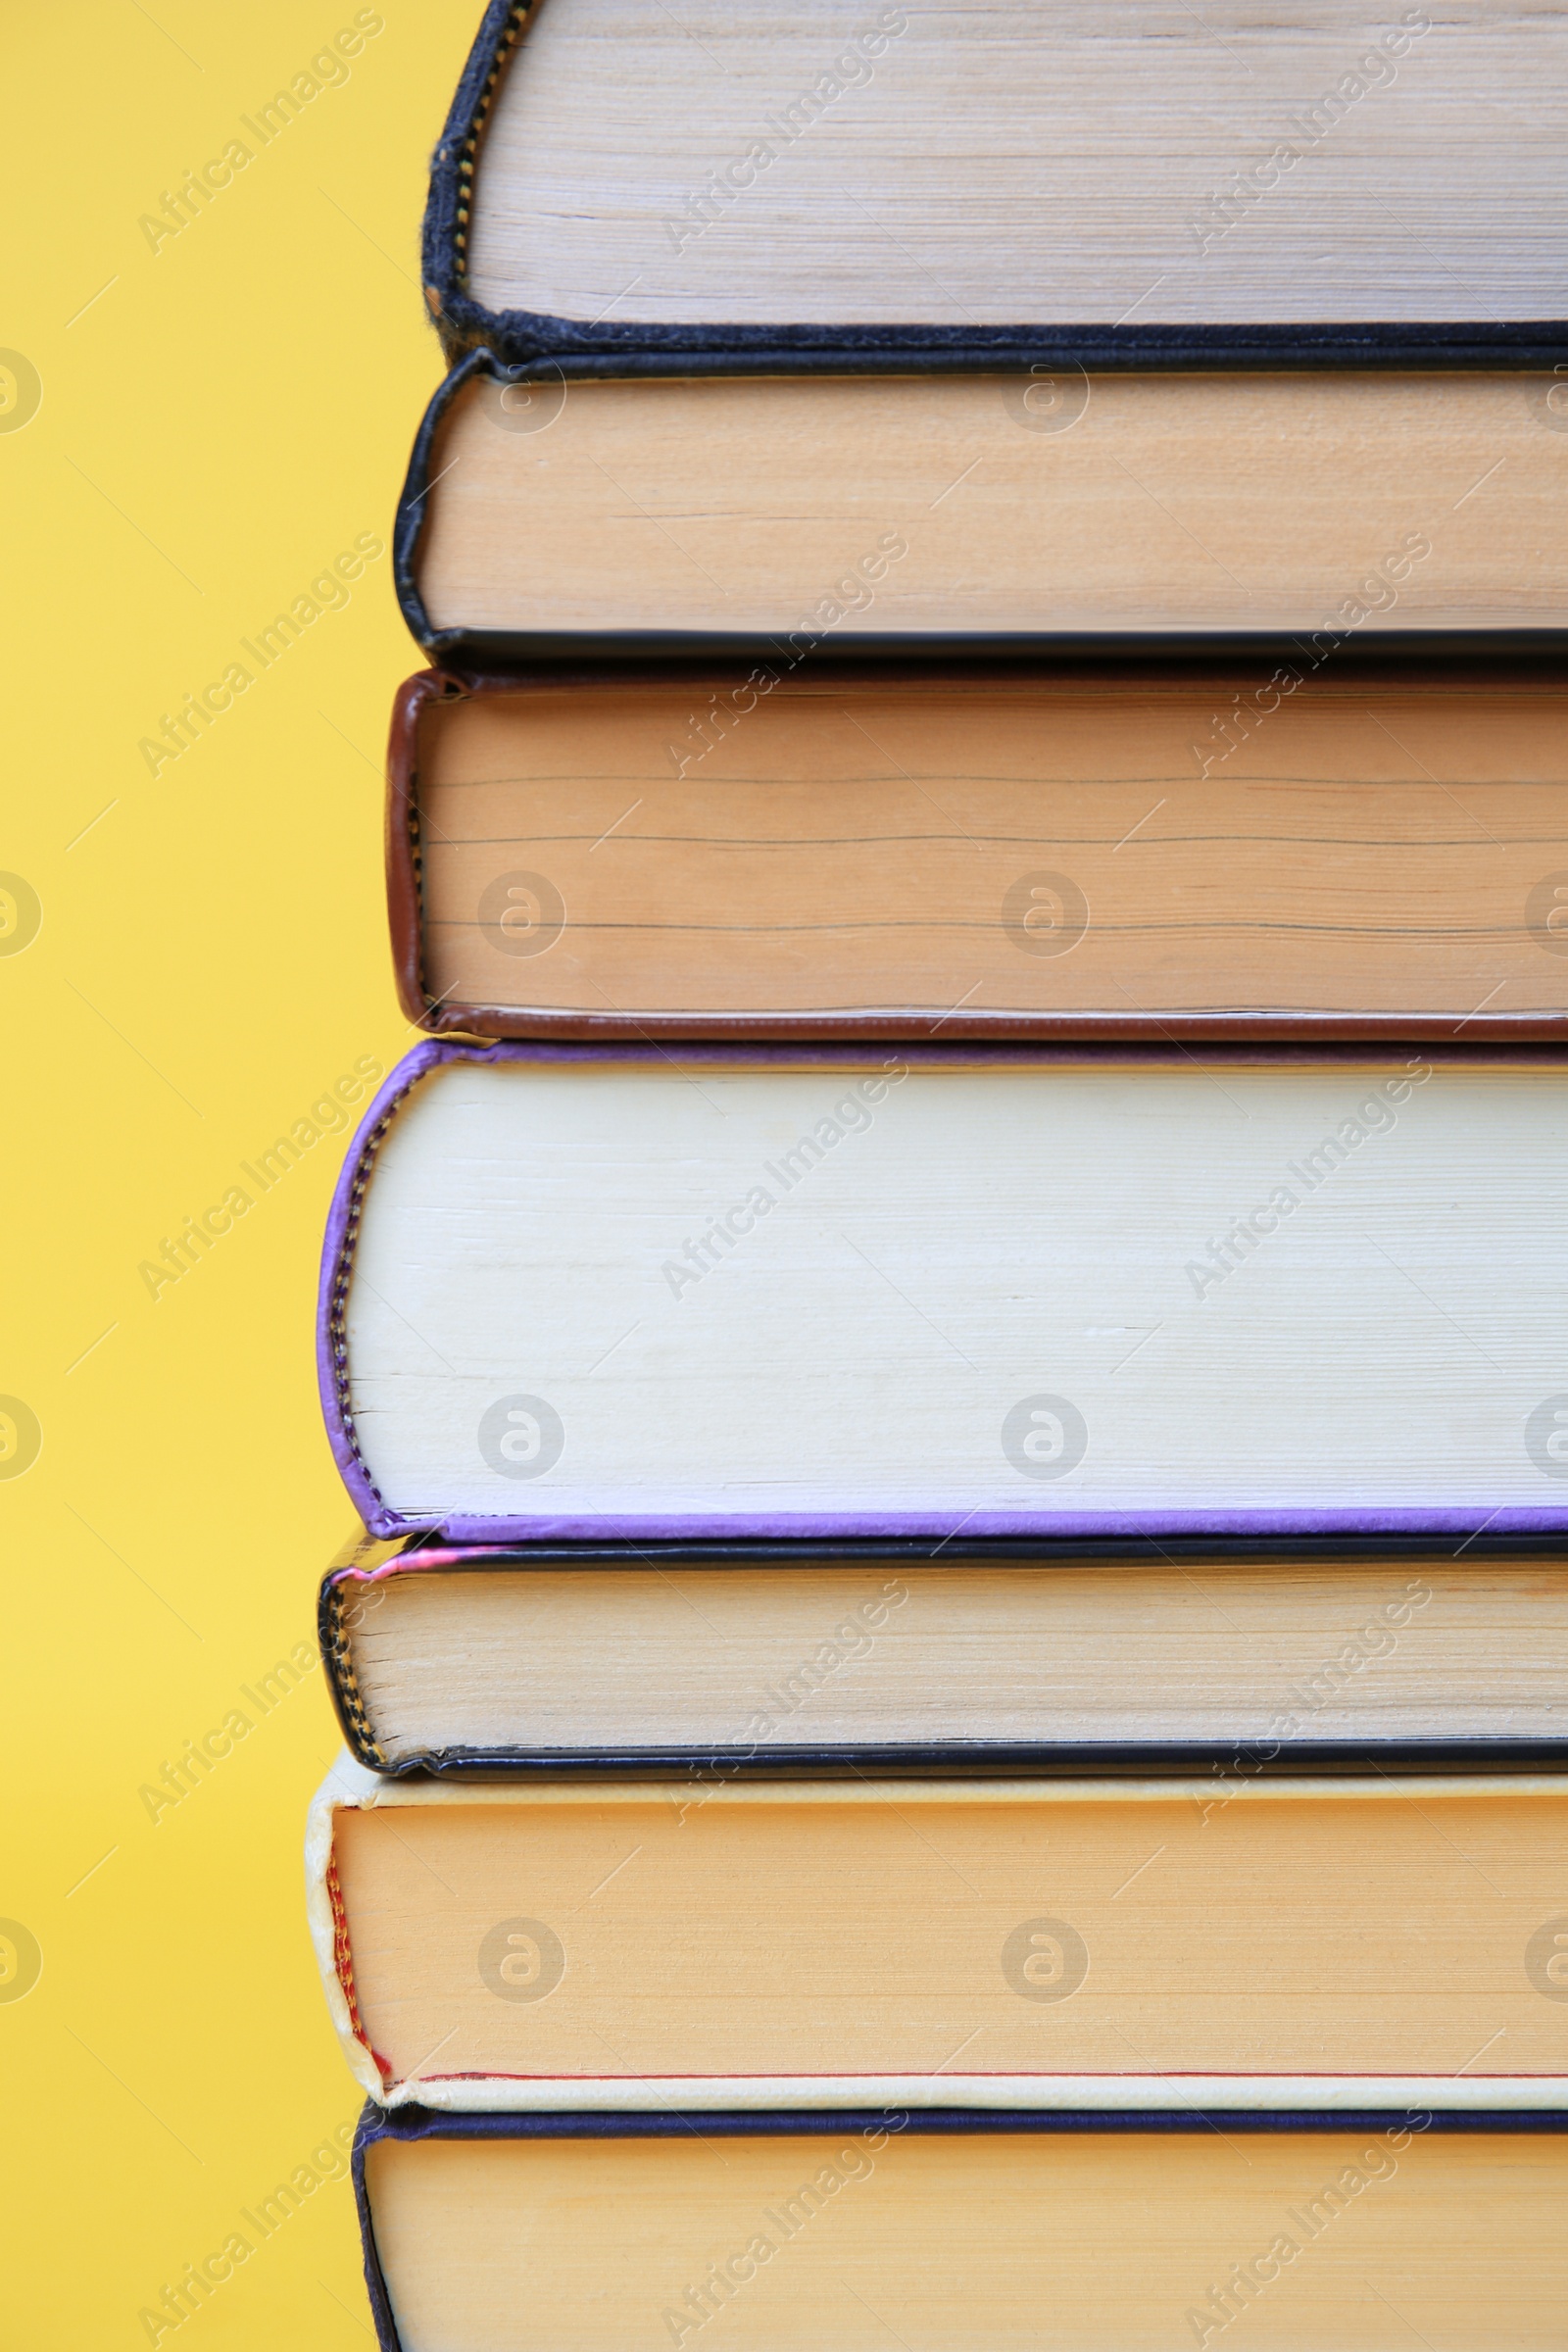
x=555, y=2094
x=350, y=1785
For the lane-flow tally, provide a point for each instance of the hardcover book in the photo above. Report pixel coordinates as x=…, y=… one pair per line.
x=1088, y=1944
x=551, y=514
x=864, y=1657
x=973, y=851
x=578, y=1293
x=859, y=185
x=861, y=2228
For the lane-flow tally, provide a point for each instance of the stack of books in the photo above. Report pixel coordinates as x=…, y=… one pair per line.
x=951, y=1352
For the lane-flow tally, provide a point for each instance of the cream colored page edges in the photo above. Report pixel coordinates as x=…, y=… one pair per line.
x=863, y=1934
x=1029, y=2242
x=844, y=506
x=1212, y=1651
x=862, y=1343
x=1348, y=849
x=990, y=166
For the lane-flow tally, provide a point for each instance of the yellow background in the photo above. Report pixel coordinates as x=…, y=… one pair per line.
x=218, y=419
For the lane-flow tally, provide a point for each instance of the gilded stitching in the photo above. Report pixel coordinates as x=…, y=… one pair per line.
x=341, y=1658
x=509, y=40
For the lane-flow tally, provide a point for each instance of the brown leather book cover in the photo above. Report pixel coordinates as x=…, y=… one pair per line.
x=1032, y=851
